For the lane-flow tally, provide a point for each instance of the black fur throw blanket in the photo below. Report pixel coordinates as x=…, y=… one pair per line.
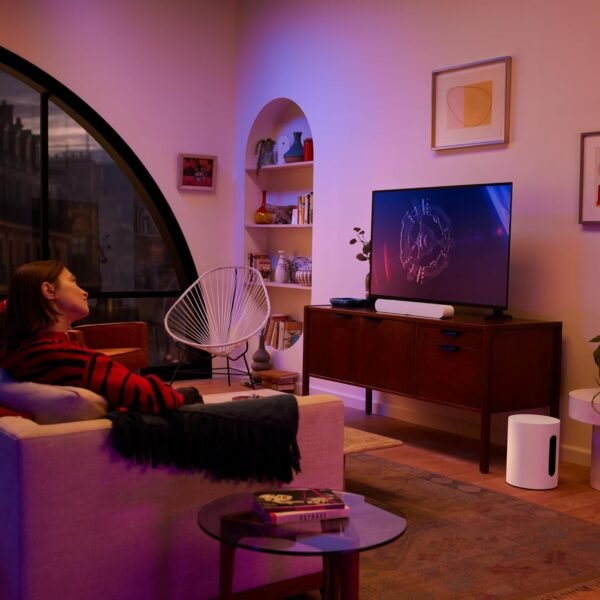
x=253, y=439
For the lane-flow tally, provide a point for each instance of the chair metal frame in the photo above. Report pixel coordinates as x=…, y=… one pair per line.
x=220, y=312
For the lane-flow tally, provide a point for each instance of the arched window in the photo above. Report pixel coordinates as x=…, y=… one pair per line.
x=71, y=189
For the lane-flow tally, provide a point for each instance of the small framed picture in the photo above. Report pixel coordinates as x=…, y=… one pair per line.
x=471, y=104
x=589, y=178
x=196, y=172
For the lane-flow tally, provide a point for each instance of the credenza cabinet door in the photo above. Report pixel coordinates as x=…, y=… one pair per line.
x=386, y=354
x=332, y=345
x=449, y=366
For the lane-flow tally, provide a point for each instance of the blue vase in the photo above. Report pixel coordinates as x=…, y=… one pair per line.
x=296, y=151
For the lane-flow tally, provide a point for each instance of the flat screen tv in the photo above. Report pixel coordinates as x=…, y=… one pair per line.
x=442, y=245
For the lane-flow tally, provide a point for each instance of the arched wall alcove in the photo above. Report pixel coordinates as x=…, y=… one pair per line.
x=285, y=185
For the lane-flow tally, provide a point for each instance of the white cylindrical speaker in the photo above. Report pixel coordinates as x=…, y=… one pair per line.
x=532, y=451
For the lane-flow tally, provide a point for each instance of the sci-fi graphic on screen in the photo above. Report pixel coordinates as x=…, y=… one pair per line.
x=448, y=245
x=425, y=241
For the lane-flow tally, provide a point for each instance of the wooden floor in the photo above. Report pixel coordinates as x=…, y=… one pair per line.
x=457, y=457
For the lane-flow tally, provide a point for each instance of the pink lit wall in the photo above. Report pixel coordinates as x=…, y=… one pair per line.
x=161, y=73
x=362, y=74
x=192, y=76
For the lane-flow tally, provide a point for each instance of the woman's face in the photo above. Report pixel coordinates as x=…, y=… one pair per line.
x=70, y=299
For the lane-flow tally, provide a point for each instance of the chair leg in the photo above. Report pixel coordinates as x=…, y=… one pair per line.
x=249, y=372
x=228, y=372
x=176, y=370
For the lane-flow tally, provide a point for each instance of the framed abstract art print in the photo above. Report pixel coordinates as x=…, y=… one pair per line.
x=471, y=104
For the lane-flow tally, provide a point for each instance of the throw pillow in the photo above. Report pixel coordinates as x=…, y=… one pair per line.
x=48, y=404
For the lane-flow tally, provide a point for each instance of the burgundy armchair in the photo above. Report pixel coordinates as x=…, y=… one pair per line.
x=126, y=343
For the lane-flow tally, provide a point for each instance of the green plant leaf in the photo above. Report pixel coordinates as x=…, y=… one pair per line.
x=361, y=257
x=597, y=356
x=353, y=241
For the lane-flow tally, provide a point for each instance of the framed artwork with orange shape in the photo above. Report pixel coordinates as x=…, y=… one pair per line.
x=471, y=104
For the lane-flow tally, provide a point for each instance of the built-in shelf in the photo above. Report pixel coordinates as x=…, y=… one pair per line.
x=283, y=184
x=278, y=226
x=282, y=167
x=293, y=286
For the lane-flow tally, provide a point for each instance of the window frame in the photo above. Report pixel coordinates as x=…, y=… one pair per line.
x=157, y=205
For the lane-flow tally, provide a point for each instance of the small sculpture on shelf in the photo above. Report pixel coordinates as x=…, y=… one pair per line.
x=265, y=149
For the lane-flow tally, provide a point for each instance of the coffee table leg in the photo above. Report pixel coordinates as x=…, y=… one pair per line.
x=341, y=576
x=227, y=557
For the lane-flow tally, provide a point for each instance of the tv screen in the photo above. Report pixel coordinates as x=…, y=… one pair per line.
x=444, y=245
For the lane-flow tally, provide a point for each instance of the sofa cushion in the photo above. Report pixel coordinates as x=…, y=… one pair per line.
x=48, y=404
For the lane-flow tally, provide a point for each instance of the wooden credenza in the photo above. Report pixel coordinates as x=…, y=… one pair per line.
x=465, y=362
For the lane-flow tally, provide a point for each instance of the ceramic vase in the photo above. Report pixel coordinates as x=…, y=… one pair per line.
x=262, y=215
x=282, y=269
x=296, y=151
x=368, y=284
x=261, y=359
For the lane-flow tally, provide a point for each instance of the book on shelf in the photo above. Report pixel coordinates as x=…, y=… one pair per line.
x=282, y=332
x=303, y=214
x=299, y=504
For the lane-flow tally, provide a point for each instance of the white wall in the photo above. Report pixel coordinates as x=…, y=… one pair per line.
x=161, y=73
x=362, y=74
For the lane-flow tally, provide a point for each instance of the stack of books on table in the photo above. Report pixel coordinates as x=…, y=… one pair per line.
x=299, y=504
x=276, y=379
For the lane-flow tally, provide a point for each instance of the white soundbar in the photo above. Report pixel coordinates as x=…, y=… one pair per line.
x=415, y=309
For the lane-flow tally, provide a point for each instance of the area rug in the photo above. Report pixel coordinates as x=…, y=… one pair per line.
x=356, y=440
x=465, y=542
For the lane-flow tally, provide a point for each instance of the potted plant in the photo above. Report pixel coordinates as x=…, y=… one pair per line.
x=365, y=252
x=264, y=149
x=596, y=353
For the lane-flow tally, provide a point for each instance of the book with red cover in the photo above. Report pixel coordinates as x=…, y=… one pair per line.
x=298, y=516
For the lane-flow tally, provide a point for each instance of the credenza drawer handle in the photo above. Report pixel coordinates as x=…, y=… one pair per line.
x=449, y=348
x=373, y=319
x=339, y=316
x=451, y=332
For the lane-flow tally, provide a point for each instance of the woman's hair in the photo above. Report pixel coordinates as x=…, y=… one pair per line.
x=27, y=310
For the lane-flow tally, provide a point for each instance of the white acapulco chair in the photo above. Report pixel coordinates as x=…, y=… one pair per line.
x=219, y=313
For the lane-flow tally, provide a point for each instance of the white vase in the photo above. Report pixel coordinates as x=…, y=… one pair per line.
x=282, y=269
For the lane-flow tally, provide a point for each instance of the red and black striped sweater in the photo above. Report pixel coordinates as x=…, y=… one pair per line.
x=54, y=359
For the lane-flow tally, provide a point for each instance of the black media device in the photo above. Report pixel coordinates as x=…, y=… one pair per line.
x=352, y=302
x=443, y=245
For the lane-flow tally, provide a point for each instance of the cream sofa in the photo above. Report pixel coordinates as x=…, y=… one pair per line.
x=80, y=522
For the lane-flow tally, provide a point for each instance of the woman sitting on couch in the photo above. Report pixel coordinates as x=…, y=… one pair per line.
x=43, y=301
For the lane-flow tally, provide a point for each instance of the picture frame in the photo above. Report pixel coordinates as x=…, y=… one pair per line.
x=471, y=104
x=196, y=172
x=589, y=178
